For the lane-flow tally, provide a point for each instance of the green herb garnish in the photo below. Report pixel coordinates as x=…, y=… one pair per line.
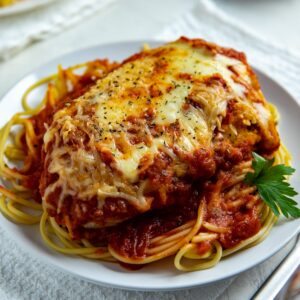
x=272, y=185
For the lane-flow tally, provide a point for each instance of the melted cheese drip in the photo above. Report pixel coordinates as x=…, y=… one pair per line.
x=263, y=113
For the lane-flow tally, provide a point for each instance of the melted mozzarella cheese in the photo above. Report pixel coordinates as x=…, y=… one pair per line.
x=263, y=113
x=114, y=105
x=162, y=88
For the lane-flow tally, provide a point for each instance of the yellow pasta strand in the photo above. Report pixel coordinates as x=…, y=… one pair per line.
x=183, y=241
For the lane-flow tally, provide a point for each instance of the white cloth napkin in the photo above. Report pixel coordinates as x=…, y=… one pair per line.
x=25, y=277
x=17, y=32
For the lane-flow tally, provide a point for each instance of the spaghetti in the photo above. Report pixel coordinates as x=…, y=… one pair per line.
x=221, y=216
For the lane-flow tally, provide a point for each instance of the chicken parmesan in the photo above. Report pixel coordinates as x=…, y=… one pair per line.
x=147, y=158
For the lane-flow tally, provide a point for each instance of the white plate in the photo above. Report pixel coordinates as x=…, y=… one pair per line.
x=161, y=275
x=22, y=6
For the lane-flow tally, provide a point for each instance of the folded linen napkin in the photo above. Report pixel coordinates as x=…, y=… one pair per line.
x=20, y=30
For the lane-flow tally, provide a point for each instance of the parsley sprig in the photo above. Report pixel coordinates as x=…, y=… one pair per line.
x=272, y=185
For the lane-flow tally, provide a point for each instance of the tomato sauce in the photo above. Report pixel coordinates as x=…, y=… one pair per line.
x=203, y=247
x=132, y=237
x=175, y=201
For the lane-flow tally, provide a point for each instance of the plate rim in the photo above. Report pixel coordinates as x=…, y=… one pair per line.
x=52, y=261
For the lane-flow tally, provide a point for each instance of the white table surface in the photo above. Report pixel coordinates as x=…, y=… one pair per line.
x=139, y=19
